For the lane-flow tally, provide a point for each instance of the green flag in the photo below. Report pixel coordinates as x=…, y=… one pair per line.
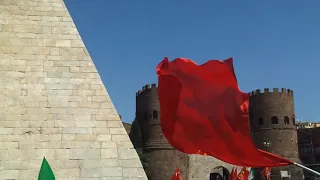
x=45, y=171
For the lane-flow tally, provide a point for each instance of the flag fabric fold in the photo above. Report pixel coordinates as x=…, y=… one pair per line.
x=176, y=175
x=203, y=110
x=46, y=172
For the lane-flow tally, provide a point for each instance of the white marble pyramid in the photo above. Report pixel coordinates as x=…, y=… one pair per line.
x=53, y=102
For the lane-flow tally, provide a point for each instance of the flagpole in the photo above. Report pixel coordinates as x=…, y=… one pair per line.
x=306, y=168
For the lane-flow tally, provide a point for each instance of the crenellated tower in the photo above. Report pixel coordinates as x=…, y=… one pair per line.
x=162, y=158
x=147, y=113
x=272, y=121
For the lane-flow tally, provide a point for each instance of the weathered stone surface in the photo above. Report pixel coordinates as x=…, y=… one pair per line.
x=200, y=167
x=53, y=102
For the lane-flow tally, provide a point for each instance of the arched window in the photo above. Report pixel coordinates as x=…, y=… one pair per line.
x=260, y=121
x=293, y=121
x=286, y=120
x=274, y=120
x=155, y=114
x=145, y=116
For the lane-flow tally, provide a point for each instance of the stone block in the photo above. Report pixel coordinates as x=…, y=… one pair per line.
x=63, y=154
x=6, y=131
x=47, y=137
x=108, y=145
x=109, y=153
x=65, y=164
x=81, y=144
x=90, y=172
x=118, y=131
x=130, y=163
x=63, y=43
x=28, y=174
x=104, y=137
x=86, y=137
x=74, y=130
x=114, y=124
x=99, y=163
x=85, y=154
x=85, y=123
x=112, y=178
x=84, y=117
x=69, y=137
x=101, y=130
x=76, y=43
x=48, y=145
x=9, y=145
x=120, y=138
x=64, y=124
x=133, y=172
x=40, y=153
x=67, y=174
x=102, y=124
x=111, y=172
x=9, y=174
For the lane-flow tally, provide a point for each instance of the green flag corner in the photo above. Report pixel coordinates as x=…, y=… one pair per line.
x=46, y=172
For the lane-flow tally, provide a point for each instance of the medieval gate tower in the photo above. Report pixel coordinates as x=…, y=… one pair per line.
x=53, y=102
x=272, y=120
x=162, y=158
x=272, y=124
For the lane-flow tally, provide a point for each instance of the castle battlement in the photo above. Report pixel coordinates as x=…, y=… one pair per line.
x=268, y=90
x=146, y=88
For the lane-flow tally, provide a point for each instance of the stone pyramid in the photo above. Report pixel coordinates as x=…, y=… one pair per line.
x=53, y=102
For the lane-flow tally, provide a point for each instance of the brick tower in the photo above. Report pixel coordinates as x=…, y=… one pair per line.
x=162, y=159
x=53, y=102
x=272, y=120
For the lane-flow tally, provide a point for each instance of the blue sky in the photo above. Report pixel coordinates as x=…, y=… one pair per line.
x=273, y=43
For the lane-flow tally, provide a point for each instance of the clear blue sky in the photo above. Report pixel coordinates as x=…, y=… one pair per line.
x=274, y=43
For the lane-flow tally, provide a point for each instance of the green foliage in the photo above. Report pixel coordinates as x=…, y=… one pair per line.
x=135, y=135
x=136, y=139
x=144, y=160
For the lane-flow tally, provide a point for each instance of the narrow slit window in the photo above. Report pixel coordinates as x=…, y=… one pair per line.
x=260, y=121
x=274, y=120
x=155, y=114
x=286, y=120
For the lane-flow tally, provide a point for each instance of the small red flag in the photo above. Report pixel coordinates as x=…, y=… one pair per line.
x=234, y=174
x=203, y=110
x=267, y=172
x=177, y=175
x=244, y=174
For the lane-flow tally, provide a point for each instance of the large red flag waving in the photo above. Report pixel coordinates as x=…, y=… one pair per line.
x=202, y=109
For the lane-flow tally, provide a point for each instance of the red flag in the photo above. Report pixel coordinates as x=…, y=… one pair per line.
x=177, y=175
x=267, y=172
x=234, y=174
x=203, y=109
x=244, y=174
